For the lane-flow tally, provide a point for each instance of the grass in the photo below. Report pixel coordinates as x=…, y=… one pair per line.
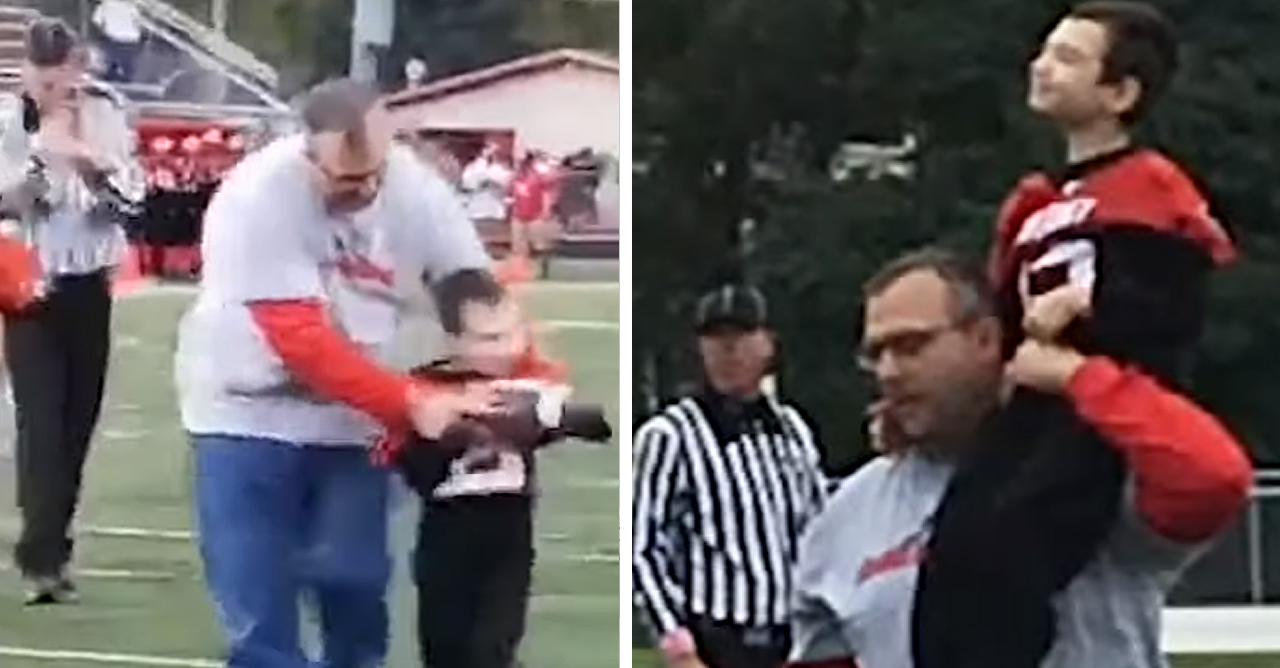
x=139, y=476
x=647, y=659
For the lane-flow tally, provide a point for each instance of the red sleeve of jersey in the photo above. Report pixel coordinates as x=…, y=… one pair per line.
x=328, y=364
x=1149, y=189
x=1191, y=475
x=1190, y=211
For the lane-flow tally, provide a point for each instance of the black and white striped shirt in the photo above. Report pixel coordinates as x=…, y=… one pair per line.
x=79, y=234
x=718, y=507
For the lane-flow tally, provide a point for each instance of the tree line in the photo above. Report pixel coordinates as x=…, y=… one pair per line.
x=741, y=104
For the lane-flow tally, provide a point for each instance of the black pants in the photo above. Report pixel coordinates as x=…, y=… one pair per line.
x=57, y=356
x=473, y=567
x=722, y=645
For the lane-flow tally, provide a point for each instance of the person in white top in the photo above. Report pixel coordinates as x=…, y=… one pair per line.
x=119, y=24
x=68, y=179
x=486, y=182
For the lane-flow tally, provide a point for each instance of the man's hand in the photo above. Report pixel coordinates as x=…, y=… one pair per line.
x=1046, y=316
x=885, y=435
x=432, y=414
x=1043, y=366
x=678, y=650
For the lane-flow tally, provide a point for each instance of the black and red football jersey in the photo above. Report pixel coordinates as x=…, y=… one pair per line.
x=1131, y=227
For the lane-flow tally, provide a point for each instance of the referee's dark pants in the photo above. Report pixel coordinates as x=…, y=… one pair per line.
x=57, y=357
x=722, y=645
x=473, y=566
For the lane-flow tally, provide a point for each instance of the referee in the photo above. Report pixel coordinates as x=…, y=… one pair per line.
x=724, y=482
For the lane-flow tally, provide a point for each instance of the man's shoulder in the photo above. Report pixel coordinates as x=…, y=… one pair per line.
x=263, y=199
x=854, y=495
x=261, y=173
x=1153, y=173
x=854, y=489
x=410, y=178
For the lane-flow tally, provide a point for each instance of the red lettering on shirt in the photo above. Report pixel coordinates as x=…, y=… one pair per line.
x=908, y=553
x=357, y=268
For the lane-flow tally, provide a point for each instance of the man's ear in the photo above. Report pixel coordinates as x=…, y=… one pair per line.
x=768, y=347
x=989, y=331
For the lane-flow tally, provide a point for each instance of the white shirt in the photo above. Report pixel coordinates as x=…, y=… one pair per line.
x=268, y=237
x=119, y=20
x=486, y=182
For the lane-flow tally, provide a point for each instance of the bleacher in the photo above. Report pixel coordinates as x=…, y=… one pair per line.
x=184, y=68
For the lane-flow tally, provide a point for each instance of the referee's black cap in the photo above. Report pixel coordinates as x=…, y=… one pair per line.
x=730, y=308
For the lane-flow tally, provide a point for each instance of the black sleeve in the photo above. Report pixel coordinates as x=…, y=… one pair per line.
x=424, y=465
x=1148, y=299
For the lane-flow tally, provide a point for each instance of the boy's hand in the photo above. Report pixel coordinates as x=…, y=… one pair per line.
x=883, y=432
x=1046, y=316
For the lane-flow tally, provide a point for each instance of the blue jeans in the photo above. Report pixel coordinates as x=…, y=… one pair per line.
x=277, y=519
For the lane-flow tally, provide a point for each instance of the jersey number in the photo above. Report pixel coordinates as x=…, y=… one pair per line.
x=482, y=471
x=1070, y=262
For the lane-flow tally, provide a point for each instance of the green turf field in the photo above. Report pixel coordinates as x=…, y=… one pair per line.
x=645, y=659
x=143, y=595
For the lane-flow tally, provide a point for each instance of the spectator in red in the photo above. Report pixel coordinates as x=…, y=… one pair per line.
x=532, y=192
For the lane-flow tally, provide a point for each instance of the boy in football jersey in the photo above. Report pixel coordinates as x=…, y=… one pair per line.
x=475, y=551
x=1110, y=256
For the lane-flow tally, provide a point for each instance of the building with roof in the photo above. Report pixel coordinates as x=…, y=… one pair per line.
x=558, y=101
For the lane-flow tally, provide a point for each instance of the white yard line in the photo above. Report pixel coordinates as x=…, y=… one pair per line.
x=107, y=658
x=543, y=602
x=161, y=289
x=584, y=558
x=185, y=536
x=583, y=483
x=110, y=574
x=135, y=532
x=575, y=324
x=573, y=286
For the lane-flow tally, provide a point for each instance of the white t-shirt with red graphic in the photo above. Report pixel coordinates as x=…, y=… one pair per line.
x=267, y=236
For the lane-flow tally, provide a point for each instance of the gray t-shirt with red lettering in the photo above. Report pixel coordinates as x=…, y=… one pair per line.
x=267, y=236
x=856, y=577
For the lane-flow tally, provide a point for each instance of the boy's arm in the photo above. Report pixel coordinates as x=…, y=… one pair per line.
x=1191, y=476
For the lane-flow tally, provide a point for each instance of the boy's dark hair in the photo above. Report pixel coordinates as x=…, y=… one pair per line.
x=467, y=286
x=49, y=42
x=1142, y=45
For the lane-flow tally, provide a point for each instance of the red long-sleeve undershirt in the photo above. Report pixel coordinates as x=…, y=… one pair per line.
x=326, y=362
x=1191, y=476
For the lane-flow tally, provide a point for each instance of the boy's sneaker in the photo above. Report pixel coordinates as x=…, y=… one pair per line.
x=50, y=590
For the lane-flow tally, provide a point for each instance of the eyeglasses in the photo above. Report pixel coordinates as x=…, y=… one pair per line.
x=348, y=180
x=903, y=344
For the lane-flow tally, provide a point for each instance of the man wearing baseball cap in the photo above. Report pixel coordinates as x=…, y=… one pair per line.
x=724, y=480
